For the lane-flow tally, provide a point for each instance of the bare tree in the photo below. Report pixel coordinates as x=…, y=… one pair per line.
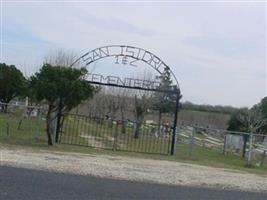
x=97, y=106
x=110, y=103
x=253, y=120
x=113, y=107
x=61, y=57
x=124, y=103
x=142, y=102
x=140, y=110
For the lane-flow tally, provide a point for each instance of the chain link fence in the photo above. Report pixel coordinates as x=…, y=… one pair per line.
x=258, y=149
x=194, y=141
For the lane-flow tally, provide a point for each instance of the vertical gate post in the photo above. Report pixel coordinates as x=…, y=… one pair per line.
x=173, y=145
x=245, y=139
x=58, y=119
x=7, y=129
x=116, y=136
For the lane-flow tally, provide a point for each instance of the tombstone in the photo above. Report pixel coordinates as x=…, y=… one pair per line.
x=234, y=143
x=264, y=141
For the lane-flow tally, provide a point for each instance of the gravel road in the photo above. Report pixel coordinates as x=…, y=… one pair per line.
x=136, y=169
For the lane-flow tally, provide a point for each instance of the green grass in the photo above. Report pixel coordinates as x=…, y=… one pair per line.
x=85, y=131
x=32, y=136
x=30, y=133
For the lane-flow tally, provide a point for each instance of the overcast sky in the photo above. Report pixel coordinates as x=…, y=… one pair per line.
x=216, y=50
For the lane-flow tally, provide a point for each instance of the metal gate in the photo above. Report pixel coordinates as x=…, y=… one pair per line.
x=115, y=135
x=125, y=135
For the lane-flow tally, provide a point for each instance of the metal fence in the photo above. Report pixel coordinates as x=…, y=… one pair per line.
x=257, y=150
x=114, y=134
x=252, y=147
x=26, y=125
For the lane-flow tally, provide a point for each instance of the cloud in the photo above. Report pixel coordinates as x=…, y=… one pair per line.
x=234, y=47
x=217, y=51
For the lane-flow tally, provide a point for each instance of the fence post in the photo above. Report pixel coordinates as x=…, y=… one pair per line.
x=245, y=145
x=115, y=136
x=58, y=119
x=173, y=145
x=39, y=122
x=250, y=149
x=192, y=141
x=263, y=158
x=54, y=127
x=7, y=129
x=224, y=143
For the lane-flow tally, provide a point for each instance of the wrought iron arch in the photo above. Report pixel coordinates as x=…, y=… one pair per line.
x=136, y=53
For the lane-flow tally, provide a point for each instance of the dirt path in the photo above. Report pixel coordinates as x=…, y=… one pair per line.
x=134, y=169
x=92, y=141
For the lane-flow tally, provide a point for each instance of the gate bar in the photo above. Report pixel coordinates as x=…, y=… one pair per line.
x=173, y=145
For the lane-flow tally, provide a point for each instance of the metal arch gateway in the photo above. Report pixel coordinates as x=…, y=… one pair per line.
x=135, y=54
